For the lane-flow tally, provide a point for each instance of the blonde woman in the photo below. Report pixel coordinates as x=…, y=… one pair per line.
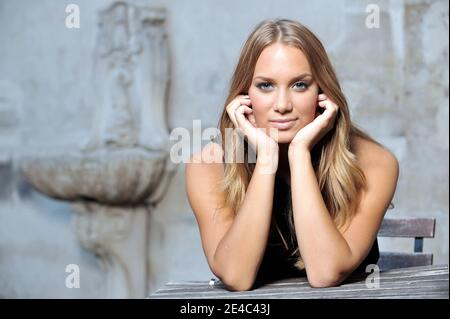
x=313, y=201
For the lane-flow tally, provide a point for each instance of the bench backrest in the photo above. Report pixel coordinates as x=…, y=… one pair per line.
x=417, y=228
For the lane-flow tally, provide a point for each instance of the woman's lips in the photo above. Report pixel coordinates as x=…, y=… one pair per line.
x=283, y=124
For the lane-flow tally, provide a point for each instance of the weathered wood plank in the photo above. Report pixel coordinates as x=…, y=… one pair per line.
x=407, y=227
x=423, y=291
x=415, y=282
x=436, y=286
x=393, y=260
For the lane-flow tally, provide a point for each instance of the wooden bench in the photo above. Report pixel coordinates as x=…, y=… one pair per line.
x=425, y=282
x=417, y=228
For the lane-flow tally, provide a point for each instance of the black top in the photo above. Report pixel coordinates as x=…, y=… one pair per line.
x=278, y=263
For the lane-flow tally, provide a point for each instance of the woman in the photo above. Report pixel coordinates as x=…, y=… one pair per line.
x=313, y=202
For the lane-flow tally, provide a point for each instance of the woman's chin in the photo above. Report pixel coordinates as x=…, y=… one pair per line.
x=285, y=137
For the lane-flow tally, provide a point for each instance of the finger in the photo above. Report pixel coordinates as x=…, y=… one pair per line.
x=321, y=97
x=245, y=101
x=322, y=103
x=245, y=97
x=244, y=109
x=241, y=110
x=252, y=119
x=231, y=108
x=327, y=104
x=231, y=115
x=330, y=111
x=242, y=121
x=236, y=104
x=331, y=106
x=241, y=117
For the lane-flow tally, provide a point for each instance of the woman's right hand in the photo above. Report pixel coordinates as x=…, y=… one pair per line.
x=263, y=144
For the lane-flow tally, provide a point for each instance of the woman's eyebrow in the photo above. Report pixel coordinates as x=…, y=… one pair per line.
x=296, y=78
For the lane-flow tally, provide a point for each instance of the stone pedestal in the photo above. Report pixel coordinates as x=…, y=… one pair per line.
x=124, y=169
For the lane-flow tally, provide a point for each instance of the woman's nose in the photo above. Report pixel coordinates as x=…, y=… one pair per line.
x=283, y=103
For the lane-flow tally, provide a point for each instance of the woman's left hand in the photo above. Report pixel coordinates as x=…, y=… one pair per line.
x=308, y=136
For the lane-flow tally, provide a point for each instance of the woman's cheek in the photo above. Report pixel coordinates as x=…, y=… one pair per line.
x=259, y=117
x=259, y=106
x=307, y=107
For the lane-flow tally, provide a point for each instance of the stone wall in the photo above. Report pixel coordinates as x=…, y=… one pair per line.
x=395, y=78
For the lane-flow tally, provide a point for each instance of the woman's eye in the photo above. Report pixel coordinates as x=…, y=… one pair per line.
x=301, y=85
x=266, y=85
x=263, y=85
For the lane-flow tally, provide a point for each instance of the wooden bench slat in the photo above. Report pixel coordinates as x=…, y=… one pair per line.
x=393, y=260
x=408, y=227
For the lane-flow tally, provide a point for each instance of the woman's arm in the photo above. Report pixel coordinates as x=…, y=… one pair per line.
x=329, y=255
x=234, y=246
x=240, y=252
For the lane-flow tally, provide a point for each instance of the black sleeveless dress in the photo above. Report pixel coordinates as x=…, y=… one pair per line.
x=278, y=262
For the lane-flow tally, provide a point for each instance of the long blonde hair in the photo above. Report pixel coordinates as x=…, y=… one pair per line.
x=339, y=176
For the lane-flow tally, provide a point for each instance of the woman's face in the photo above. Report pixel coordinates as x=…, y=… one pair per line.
x=283, y=88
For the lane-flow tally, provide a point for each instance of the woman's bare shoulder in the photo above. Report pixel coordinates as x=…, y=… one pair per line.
x=206, y=165
x=372, y=156
x=203, y=179
x=210, y=153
